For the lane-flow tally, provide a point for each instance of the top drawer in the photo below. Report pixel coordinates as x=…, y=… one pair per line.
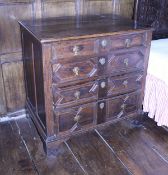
x=94, y=46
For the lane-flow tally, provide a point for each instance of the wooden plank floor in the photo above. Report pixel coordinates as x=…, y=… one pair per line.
x=128, y=147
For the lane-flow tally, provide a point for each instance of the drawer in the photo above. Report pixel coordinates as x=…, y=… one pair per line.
x=123, y=105
x=75, y=95
x=132, y=60
x=128, y=41
x=74, y=48
x=122, y=84
x=74, y=71
x=76, y=118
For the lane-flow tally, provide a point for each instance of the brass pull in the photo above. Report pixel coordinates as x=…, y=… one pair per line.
x=123, y=106
x=103, y=85
x=102, y=61
x=76, y=71
x=76, y=50
x=101, y=105
x=126, y=62
x=125, y=83
x=104, y=43
x=127, y=43
x=77, y=118
x=77, y=95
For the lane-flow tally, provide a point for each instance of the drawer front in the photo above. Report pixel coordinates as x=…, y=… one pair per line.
x=74, y=95
x=94, y=46
x=75, y=118
x=132, y=60
x=128, y=41
x=123, y=105
x=73, y=71
x=74, y=48
x=122, y=84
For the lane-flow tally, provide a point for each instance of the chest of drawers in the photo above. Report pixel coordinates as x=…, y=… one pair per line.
x=79, y=77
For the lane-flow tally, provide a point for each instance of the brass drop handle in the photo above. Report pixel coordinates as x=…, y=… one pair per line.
x=76, y=71
x=126, y=62
x=77, y=95
x=104, y=43
x=127, y=43
x=125, y=83
x=77, y=118
x=76, y=50
x=102, y=61
x=123, y=106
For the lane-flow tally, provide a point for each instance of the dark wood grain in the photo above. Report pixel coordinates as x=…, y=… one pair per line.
x=61, y=59
x=65, y=28
x=2, y=95
x=61, y=162
x=95, y=156
x=153, y=13
x=131, y=149
x=14, y=156
x=14, y=85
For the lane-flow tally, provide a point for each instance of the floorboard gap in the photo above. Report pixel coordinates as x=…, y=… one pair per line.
x=159, y=154
x=28, y=152
x=113, y=151
x=76, y=158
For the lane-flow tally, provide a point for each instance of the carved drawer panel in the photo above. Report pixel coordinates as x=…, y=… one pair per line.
x=68, y=72
x=122, y=84
x=75, y=94
x=127, y=41
x=131, y=60
x=71, y=48
x=75, y=118
x=123, y=105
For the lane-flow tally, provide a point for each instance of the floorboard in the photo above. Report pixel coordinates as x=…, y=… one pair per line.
x=62, y=163
x=125, y=139
x=14, y=159
x=134, y=146
x=95, y=156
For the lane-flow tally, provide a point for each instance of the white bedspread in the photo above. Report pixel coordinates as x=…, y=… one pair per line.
x=158, y=59
x=156, y=88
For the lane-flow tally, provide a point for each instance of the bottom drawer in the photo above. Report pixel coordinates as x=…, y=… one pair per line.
x=75, y=118
x=123, y=105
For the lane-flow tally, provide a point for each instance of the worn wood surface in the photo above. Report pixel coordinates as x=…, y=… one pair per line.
x=133, y=147
x=94, y=155
x=58, y=52
x=130, y=147
x=14, y=159
x=13, y=10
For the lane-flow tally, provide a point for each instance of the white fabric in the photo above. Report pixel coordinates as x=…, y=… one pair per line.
x=158, y=59
x=156, y=100
x=156, y=88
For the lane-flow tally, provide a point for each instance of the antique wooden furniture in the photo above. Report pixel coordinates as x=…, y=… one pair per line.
x=153, y=13
x=82, y=76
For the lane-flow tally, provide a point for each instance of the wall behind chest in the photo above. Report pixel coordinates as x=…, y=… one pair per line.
x=12, y=93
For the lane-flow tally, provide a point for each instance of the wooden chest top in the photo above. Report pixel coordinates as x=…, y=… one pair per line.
x=66, y=28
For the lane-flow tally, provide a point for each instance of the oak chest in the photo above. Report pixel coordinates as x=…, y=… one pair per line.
x=79, y=76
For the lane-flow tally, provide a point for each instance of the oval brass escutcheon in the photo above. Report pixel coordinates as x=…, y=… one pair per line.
x=103, y=84
x=104, y=43
x=102, y=61
x=101, y=105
